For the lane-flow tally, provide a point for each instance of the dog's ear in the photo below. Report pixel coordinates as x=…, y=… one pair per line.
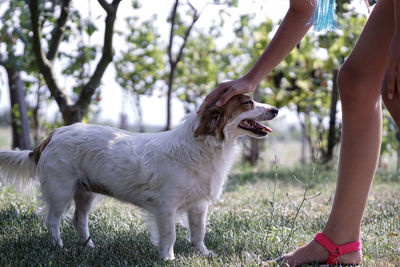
x=212, y=122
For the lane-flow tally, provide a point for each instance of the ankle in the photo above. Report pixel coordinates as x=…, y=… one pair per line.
x=341, y=235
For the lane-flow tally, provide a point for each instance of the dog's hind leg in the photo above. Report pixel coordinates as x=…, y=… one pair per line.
x=166, y=218
x=57, y=193
x=83, y=204
x=197, y=222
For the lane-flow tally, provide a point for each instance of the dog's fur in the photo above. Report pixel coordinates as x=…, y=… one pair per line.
x=176, y=172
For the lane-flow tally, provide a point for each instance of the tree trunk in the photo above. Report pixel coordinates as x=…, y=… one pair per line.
x=35, y=124
x=140, y=114
x=71, y=112
x=332, y=138
x=19, y=116
x=303, y=159
x=173, y=62
x=169, y=96
x=308, y=125
x=255, y=144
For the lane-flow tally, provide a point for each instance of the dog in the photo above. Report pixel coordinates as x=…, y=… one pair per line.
x=177, y=172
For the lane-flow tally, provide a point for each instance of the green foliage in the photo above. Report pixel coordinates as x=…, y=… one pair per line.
x=14, y=33
x=197, y=73
x=141, y=63
x=79, y=31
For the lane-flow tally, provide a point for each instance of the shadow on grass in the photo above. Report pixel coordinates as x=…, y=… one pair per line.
x=24, y=240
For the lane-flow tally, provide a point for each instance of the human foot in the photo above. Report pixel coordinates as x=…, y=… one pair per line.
x=315, y=252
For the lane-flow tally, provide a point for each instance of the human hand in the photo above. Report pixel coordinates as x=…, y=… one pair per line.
x=391, y=84
x=226, y=90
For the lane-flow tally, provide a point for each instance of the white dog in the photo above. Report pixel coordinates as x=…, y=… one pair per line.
x=178, y=172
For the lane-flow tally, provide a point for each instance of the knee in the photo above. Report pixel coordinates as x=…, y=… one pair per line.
x=354, y=88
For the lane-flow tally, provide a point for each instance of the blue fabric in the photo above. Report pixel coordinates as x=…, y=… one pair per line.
x=324, y=16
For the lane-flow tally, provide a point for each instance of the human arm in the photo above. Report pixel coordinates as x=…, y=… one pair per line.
x=392, y=76
x=292, y=29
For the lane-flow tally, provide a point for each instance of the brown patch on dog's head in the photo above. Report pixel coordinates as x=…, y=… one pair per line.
x=37, y=152
x=213, y=119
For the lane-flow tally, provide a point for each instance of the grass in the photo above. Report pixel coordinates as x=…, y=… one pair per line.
x=251, y=223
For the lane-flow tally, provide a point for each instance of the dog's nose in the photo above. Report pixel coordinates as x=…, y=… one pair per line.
x=274, y=111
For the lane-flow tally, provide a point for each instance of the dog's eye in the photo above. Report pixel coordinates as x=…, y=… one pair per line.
x=247, y=102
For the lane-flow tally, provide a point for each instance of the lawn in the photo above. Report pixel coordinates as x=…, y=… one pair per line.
x=255, y=220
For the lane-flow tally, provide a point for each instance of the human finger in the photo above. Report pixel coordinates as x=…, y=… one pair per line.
x=226, y=96
x=214, y=95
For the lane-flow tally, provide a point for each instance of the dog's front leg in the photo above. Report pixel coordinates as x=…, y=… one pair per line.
x=197, y=223
x=166, y=228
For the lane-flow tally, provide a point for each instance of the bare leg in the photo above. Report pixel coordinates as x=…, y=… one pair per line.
x=83, y=205
x=197, y=223
x=359, y=82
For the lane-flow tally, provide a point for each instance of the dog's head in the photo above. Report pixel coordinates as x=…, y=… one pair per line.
x=240, y=116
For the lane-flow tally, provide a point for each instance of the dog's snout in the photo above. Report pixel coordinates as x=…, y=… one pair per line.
x=274, y=111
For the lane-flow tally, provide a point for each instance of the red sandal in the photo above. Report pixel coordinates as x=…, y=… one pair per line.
x=335, y=251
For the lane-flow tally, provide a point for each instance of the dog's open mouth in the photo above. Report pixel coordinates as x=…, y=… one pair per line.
x=255, y=127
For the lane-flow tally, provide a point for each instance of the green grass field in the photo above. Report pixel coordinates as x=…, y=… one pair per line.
x=251, y=223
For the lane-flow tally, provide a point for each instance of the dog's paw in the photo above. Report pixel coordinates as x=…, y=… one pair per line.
x=203, y=250
x=56, y=242
x=210, y=254
x=169, y=257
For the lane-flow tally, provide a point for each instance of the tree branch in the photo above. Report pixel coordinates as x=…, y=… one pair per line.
x=45, y=66
x=171, y=32
x=187, y=33
x=90, y=87
x=106, y=6
x=58, y=32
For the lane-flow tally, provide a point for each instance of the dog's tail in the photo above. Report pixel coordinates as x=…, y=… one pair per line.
x=18, y=168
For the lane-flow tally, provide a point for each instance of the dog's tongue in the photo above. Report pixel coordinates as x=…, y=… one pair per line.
x=253, y=125
x=267, y=128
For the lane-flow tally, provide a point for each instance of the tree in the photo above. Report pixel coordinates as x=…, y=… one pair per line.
x=141, y=64
x=14, y=30
x=72, y=111
x=177, y=29
x=181, y=30
x=198, y=72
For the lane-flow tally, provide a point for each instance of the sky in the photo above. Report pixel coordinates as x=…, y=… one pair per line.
x=113, y=101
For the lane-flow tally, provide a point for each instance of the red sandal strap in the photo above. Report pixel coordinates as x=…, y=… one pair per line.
x=335, y=251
